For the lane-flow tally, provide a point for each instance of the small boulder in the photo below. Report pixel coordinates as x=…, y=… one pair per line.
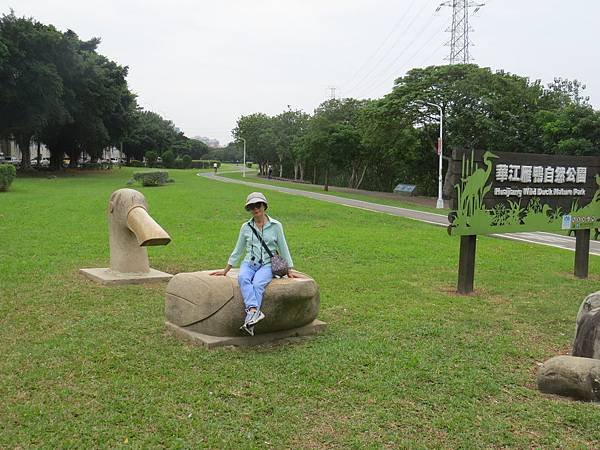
x=571, y=376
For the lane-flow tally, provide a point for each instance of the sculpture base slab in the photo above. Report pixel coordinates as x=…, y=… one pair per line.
x=109, y=277
x=316, y=326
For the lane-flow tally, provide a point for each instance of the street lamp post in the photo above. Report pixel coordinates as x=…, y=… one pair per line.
x=440, y=200
x=244, y=168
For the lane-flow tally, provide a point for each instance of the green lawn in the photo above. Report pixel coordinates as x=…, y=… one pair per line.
x=405, y=362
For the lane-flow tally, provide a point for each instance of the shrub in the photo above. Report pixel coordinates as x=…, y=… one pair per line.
x=7, y=175
x=155, y=178
x=168, y=159
x=178, y=164
x=186, y=161
x=135, y=163
x=151, y=157
x=205, y=163
x=249, y=165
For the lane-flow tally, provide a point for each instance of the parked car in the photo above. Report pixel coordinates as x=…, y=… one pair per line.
x=10, y=160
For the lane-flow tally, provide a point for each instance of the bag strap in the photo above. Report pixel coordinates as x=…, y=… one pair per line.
x=270, y=253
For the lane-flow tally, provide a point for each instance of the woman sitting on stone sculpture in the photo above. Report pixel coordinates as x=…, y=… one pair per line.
x=255, y=272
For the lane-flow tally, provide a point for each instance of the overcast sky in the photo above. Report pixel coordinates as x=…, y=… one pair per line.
x=203, y=64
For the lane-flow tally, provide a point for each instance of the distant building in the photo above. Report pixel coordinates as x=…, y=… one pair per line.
x=213, y=143
x=9, y=149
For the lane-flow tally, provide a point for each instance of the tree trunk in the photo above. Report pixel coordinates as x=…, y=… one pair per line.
x=295, y=171
x=326, y=188
x=39, y=154
x=362, y=176
x=56, y=157
x=314, y=174
x=279, y=157
x=352, y=176
x=23, y=141
x=301, y=172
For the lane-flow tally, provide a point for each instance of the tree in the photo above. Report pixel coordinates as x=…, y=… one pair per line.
x=193, y=147
x=568, y=92
x=149, y=131
x=151, y=158
x=289, y=127
x=260, y=137
x=168, y=159
x=332, y=139
x=496, y=111
x=482, y=109
x=571, y=130
x=96, y=98
x=186, y=162
x=31, y=88
x=393, y=149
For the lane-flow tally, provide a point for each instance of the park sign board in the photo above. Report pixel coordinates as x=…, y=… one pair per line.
x=500, y=192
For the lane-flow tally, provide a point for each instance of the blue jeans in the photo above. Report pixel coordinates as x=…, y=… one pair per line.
x=253, y=280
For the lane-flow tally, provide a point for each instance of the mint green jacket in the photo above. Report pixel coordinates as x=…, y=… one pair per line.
x=273, y=236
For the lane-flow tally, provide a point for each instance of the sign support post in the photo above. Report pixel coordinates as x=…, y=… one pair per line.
x=582, y=252
x=466, y=264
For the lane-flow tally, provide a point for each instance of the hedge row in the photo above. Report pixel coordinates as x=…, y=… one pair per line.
x=205, y=163
x=7, y=175
x=185, y=162
x=155, y=178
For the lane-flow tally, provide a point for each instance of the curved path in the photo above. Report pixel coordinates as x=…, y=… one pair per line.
x=541, y=238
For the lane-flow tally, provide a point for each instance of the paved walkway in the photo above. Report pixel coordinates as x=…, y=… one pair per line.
x=550, y=239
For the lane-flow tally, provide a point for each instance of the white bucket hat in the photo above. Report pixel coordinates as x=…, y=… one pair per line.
x=256, y=197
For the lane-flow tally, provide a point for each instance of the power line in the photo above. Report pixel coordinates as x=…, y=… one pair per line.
x=368, y=60
x=392, y=64
x=374, y=67
x=423, y=61
x=406, y=61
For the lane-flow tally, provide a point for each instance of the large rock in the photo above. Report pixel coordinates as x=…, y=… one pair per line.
x=587, y=329
x=571, y=376
x=209, y=310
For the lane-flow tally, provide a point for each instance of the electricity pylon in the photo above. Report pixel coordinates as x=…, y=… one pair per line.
x=459, y=40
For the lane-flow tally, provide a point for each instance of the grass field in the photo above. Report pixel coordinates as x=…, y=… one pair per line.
x=405, y=362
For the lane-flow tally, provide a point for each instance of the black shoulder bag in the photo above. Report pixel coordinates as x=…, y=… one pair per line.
x=279, y=266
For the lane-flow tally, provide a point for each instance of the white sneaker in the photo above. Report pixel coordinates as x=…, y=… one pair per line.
x=256, y=317
x=248, y=329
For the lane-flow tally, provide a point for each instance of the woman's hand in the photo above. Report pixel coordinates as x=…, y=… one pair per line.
x=290, y=274
x=218, y=273
x=221, y=273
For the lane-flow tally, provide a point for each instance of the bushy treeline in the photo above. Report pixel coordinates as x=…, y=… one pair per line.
x=58, y=90
x=375, y=144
